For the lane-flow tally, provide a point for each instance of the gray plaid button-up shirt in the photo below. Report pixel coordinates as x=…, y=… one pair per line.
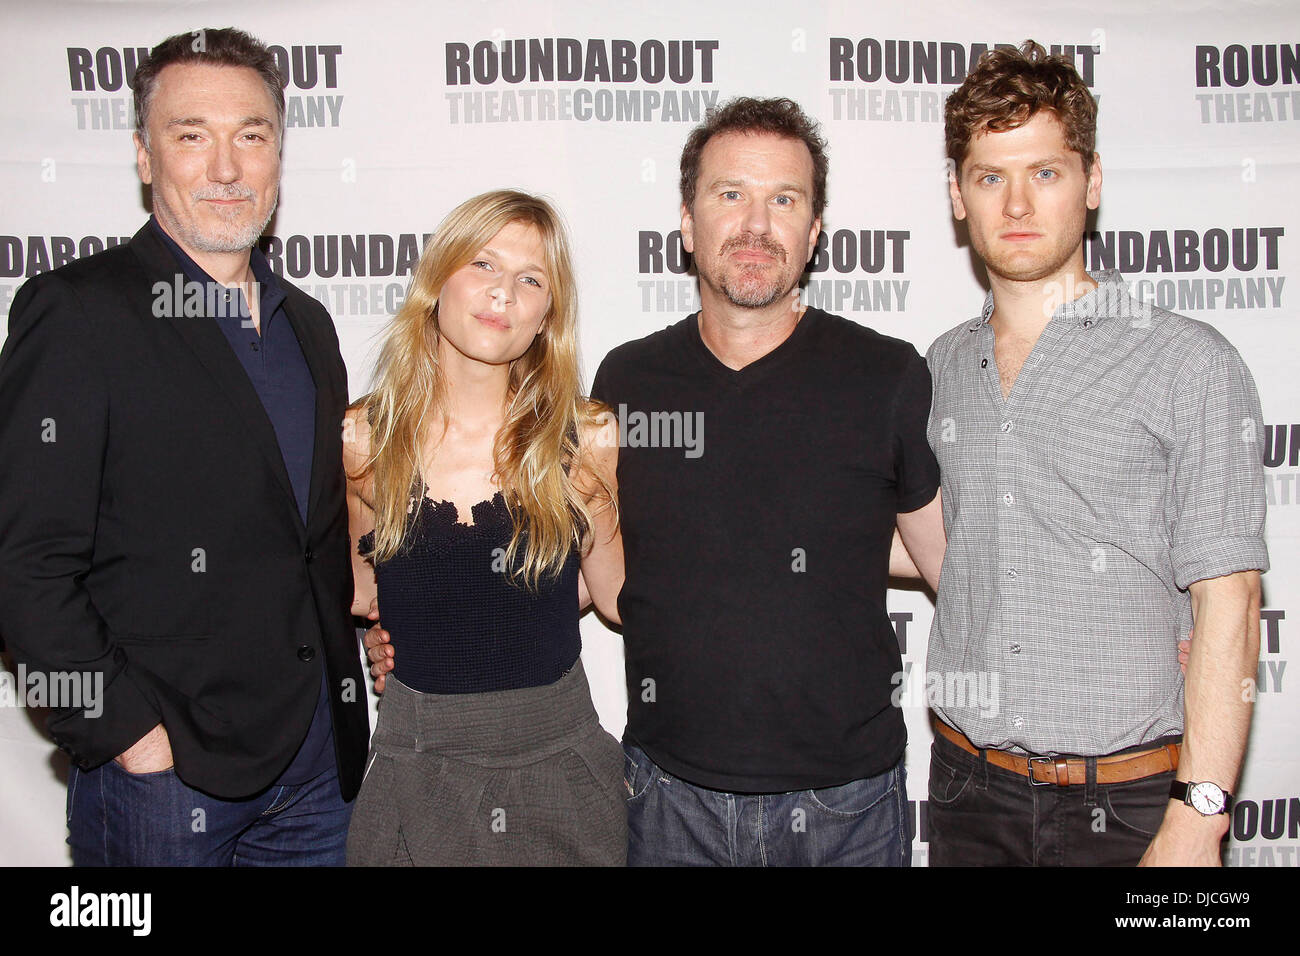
x=1125, y=466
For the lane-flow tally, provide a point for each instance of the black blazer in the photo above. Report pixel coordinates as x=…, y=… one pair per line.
x=149, y=534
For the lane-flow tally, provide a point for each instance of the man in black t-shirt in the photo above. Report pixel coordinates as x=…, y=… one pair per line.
x=767, y=452
x=757, y=531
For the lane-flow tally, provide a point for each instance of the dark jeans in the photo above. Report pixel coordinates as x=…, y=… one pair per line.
x=673, y=823
x=981, y=815
x=117, y=818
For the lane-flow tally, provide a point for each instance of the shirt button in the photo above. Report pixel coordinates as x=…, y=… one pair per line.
x=984, y=363
x=1008, y=500
x=1007, y=426
x=1017, y=721
x=306, y=654
x=1012, y=572
x=1015, y=648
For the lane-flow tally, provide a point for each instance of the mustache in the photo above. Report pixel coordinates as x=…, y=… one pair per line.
x=229, y=191
x=764, y=244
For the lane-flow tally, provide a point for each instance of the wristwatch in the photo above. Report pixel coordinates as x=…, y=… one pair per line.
x=1207, y=799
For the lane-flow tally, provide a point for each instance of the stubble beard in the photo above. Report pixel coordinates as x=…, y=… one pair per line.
x=754, y=286
x=1046, y=266
x=235, y=235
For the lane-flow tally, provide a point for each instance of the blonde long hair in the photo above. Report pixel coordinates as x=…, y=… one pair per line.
x=537, y=447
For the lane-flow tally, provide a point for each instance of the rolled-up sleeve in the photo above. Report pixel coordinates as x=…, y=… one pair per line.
x=1218, y=499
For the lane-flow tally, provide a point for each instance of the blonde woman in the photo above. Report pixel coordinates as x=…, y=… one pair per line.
x=481, y=497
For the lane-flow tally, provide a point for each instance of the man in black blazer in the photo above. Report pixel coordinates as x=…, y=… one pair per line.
x=172, y=522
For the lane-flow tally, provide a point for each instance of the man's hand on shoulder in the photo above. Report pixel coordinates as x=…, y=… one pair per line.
x=150, y=754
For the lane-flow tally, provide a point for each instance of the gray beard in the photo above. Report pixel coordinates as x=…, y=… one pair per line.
x=245, y=238
x=752, y=295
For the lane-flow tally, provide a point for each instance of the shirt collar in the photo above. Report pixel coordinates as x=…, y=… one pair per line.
x=1106, y=299
x=271, y=293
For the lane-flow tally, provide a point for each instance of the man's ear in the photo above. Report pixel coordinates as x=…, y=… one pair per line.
x=688, y=229
x=1094, y=182
x=813, y=233
x=954, y=194
x=142, y=160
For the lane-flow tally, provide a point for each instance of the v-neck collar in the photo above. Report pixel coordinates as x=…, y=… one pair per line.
x=757, y=369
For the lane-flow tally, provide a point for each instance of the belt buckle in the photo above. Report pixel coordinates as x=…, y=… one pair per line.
x=1040, y=783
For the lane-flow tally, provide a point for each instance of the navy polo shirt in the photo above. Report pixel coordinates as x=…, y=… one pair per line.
x=279, y=373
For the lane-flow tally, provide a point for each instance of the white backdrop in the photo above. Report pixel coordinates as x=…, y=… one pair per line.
x=399, y=111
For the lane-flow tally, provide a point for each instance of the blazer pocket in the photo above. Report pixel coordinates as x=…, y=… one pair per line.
x=155, y=640
x=181, y=665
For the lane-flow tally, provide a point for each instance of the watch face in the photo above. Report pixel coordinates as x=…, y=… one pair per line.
x=1206, y=798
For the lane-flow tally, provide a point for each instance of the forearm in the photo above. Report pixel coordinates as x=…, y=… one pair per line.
x=361, y=514
x=1219, y=692
x=602, y=559
x=1218, y=702
x=922, y=533
x=602, y=569
x=901, y=564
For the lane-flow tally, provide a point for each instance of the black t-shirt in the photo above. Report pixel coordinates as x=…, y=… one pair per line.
x=756, y=529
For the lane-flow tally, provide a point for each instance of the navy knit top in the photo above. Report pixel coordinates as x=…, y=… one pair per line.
x=458, y=623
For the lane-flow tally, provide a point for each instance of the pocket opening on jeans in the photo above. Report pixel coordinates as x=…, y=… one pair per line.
x=1133, y=796
x=871, y=789
x=958, y=774
x=140, y=776
x=633, y=770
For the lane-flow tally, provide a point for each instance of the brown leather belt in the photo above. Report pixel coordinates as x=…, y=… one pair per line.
x=1064, y=771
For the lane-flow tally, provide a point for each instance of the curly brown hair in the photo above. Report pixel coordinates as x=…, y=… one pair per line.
x=748, y=114
x=1008, y=87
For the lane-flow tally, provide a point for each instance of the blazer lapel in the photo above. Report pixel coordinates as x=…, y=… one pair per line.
x=214, y=353
x=314, y=352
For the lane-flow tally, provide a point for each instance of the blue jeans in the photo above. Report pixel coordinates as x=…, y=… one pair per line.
x=673, y=823
x=117, y=818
